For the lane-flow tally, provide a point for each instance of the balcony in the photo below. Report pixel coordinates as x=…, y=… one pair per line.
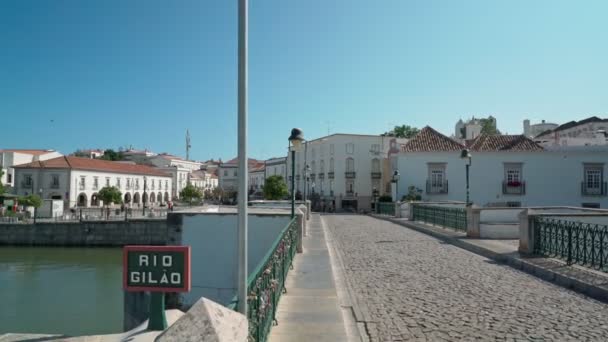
x=376, y=175
x=330, y=175
x=349, y=174
x=437, y=187
x=599, y=190
x=312, y=176
x=321, y=176
x=513, y=188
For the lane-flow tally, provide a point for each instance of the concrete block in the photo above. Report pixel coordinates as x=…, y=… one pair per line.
x=207, y=321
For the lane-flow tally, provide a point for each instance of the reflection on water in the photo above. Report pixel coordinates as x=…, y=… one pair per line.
x=71, y=291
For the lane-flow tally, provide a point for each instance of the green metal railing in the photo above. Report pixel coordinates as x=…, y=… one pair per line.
x=385, y=208
x=581, y=243
x=266, y=283
x=455, y=218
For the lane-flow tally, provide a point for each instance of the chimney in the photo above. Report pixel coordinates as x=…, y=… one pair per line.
x=527, y=127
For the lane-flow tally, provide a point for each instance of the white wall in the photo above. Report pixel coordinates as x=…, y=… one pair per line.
x=552, y=178
x=213, y=241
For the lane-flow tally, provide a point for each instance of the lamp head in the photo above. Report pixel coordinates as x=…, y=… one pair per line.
x=465, y=154
x=296, y=138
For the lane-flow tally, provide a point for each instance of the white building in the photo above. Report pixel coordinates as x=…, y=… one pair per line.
x=203, y=180
x=588, y=132
x=228, y=173
x=179, y=168
x=506, y=170
x=14, y=157
x=276, y=167
x=344, y=169
x=534, y=130
x=76, y=181
x=257, y=177
x=470, y=129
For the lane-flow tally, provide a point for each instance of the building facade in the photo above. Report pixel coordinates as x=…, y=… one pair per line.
x=342, y=169
x=77, y=181
x=14, y=157
x=505, y=171
x=587, y=132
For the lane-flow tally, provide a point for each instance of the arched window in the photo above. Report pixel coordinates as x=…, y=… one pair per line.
x=350, y=164
x=375, y=165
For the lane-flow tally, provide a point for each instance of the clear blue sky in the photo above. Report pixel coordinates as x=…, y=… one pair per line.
x=117, y=73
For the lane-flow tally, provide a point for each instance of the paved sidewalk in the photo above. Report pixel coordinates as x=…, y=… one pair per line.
x=310, y=309
x=580, y=279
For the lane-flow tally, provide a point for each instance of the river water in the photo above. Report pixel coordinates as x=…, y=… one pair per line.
x=56, y=290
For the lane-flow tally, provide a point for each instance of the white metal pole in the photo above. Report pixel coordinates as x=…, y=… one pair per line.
x=242, y=156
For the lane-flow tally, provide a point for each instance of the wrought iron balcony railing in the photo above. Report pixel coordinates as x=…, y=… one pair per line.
x=599, y=190
x=330, y=175
x=514, y=188
x=376, y=175
x=436, y=187
x=321, y=175
x=350, y=174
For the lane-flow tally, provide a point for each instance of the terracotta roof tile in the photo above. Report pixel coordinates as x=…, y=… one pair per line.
x=492, y=143
x=94, y=165
x=429, y=140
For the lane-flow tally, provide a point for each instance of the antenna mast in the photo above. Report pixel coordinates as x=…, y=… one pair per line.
x=188, y=145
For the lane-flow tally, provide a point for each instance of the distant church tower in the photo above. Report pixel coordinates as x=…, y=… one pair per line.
x=188, y=145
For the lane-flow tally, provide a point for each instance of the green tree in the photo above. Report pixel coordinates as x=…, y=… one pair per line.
x=190, y=193
x=275, y=188
x=488, y=127
x=1, y=186
x=31, y=201
x=403, y=131
x=109, y=195
x=112, y=155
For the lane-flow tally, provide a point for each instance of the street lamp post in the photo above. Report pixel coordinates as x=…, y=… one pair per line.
x=143, y=198
x=375, y=194
x=466, y=154
x=396, y=181
x=295, y=139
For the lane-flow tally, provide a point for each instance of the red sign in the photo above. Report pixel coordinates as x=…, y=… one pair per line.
x=156, y=268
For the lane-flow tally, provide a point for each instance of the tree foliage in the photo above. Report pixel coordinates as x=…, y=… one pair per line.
x=190, y=193
x=413, y=194
x=31, y=201
x=403, y=131
x=488, y=127
x=112, y=155
x=275, y=188
x=109, y=195
x=1, y=186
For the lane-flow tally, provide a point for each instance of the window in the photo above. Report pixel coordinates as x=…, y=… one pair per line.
x=54, y=181
x=376, y=148
x=376, y=165
x=118, y=182
x=82, y=183
x=166, y=184
x=95, y=183
x=350, y=165
x=27, y=180
x=108, y=181
x=225, y=173
x=136, y=183
x=128, y=183
x=350, y=148
x=437, y=183
x=235, y=173
x=593, y=181
x=9, y=178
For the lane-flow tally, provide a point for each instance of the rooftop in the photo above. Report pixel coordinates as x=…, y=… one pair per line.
x=493, y=143
x=571, y=124
x=78, y=163
x=429, y=140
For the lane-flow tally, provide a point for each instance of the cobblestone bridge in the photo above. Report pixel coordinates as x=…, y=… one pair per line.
x=410, y=286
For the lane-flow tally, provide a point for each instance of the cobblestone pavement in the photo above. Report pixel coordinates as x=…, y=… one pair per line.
x=410, y=286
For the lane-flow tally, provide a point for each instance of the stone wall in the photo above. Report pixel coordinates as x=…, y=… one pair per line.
x=97, y=233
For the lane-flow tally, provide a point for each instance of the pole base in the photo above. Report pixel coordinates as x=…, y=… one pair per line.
x=157, y=320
